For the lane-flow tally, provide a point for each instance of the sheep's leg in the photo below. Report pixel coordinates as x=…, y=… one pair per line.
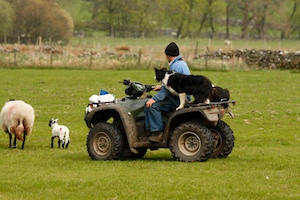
x=24, y=138
x=10, y=137
x=15, y=142
x=52, y=139
x=58, y=143
x=67, y=144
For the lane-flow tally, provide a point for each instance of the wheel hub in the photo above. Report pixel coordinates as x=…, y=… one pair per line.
x=102, y=143
x=189, y=143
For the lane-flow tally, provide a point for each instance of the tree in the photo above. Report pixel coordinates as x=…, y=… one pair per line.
x=247, y=10
x=144, y=17
x=40, y=18
x=293, y=19
x=264, y=12
x=229, y=11
x=6, y=16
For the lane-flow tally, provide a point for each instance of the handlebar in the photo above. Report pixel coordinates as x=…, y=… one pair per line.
x=148, y=88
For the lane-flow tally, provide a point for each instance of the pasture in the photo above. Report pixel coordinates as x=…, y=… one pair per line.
x=264, y=163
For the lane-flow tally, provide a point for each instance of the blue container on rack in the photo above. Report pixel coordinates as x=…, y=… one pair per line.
x=103, y=92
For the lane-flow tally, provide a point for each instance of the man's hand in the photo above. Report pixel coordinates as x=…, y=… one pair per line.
x=150, y=102
x=157, y=88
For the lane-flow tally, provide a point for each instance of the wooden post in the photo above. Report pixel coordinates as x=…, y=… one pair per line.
x=196, y=50
x=206, y=60
x=51, y=58
x=40, y=41
x=15, y=56
x=91, y=59
x=139, y=58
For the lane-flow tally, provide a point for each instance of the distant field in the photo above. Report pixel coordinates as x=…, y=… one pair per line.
x=264, y=163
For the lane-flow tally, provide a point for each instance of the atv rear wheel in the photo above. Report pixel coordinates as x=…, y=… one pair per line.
x=223, y=140
x=191, y=142
x=104, y=142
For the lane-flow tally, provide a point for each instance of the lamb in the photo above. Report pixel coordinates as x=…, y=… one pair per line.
x=17, y=117
x=59, y=131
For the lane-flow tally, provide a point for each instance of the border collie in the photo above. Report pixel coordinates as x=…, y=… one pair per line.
x=179, y=84
x=219, y=94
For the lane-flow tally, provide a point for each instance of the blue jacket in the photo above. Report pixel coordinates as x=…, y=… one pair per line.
x=178, y=65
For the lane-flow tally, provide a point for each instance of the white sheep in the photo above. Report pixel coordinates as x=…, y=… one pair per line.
x=60, y=131
x=17, y=117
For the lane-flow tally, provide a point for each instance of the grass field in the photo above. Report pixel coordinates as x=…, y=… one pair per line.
x=264, y=163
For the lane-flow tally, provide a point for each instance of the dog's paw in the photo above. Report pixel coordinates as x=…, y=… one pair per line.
x=178, y=108
x=207, y=101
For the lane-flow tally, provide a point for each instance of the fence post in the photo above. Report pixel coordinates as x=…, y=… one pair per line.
x=15, y=56
x=51, y=57
x=139, y=58
x=91, y=59
x=196, y=50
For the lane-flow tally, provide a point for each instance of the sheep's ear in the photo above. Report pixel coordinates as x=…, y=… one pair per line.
x=56, y=119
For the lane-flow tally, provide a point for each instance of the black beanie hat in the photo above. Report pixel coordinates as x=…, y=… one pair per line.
x=172, y=49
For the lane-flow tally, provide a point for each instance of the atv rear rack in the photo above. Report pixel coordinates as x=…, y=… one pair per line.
x=212, y=104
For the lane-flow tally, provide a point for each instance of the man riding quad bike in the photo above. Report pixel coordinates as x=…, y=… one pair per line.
x=194, y=133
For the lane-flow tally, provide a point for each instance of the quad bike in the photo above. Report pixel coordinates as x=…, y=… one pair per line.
x=194, y=133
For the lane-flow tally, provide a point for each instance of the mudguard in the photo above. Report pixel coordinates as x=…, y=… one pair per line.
x=124, y=115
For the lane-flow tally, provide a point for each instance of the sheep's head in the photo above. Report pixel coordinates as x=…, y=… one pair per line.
x=53, y=121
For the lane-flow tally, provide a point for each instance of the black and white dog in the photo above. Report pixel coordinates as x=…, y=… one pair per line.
x=219, y=94
x=179, y=84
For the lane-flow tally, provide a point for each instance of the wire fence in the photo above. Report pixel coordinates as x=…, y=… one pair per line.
x=124, y=57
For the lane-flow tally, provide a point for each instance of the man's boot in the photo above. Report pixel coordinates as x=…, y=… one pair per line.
x=156, y=136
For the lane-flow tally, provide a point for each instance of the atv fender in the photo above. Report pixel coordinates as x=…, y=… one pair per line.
x=105, y=112
x=206, y=115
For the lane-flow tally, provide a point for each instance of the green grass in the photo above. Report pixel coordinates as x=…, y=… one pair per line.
x=160, y=43
x=264, y=163
x=79, y=10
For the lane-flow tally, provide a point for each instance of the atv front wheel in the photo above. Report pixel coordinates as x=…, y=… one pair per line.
x=191, y=142
x=223, y=140
x=104, y=142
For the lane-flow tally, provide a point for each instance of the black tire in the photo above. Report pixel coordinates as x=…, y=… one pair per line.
x=191, y=142
x=127, y=154
x=223, y=140
x=104, y=142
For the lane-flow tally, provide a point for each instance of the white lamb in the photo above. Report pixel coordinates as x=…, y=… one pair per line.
x=17, y=117
x=59, y=131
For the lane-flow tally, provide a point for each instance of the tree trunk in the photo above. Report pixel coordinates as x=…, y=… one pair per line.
x=227, y=22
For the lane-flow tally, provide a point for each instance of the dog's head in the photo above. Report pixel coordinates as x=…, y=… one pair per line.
x=160, y=74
